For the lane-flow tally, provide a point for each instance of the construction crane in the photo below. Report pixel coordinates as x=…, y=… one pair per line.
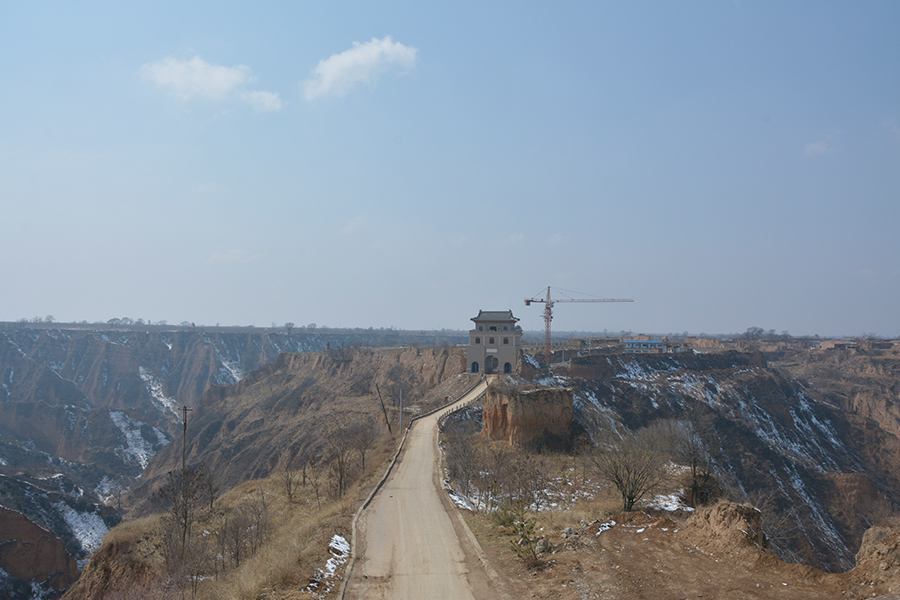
x=548, y=311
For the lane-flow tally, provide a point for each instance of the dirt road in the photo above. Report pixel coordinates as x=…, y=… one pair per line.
x=411, y=545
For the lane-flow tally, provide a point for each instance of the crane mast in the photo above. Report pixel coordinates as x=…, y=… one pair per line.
x=548, y=313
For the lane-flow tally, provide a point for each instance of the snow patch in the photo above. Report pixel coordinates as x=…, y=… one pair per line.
x=162, y=402
x=88, y=528
x=668, y=502
x=323, y=580
x=138, y=449
x=606, y=527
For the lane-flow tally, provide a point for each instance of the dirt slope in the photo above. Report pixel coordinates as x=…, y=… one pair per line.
x=292, y=405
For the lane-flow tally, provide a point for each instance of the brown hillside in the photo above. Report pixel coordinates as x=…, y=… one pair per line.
x=241, y=431
x=30, y=553
x=864, y=381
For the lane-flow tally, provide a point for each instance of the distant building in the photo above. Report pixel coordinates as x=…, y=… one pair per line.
x=494, y=343
x=644, y=346
x=831, y=344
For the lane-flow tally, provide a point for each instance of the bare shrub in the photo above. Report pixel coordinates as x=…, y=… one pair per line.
x=244, y=529
x=184, y=495
x=340, y=446
x=362, y=436
x=634, y=462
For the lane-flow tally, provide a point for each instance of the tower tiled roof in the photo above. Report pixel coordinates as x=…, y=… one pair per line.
x=494, y=315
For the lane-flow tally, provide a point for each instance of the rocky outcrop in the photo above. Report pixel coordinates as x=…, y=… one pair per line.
x=32, y=554
x=878, y=560
x=522, y=415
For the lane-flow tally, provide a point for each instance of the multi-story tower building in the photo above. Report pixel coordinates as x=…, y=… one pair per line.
x=494, y=343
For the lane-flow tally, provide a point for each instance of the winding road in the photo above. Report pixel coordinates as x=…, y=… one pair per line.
x=411, y=542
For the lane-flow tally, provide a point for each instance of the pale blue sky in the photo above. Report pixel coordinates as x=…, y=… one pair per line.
x=725, y=164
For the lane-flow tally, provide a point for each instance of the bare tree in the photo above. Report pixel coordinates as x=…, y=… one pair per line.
x=243, y=530
x=289, y=473
x=690, y=450
x=340, y=446
x=526, y=481
x=182, y=497
x=314, y=467
x=399, y=383
x=462, y=459
x=633, y=462
x=363, y=435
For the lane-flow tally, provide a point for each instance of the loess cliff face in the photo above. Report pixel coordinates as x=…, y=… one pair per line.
x=30, y=553
x=239, y=432
x=864, y=381
x=83, y=411
x=827, y=472
x=521, y=415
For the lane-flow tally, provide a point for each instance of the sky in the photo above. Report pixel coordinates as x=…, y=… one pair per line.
x=725, y=164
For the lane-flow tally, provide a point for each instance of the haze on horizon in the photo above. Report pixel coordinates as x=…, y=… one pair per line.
x=724, y=164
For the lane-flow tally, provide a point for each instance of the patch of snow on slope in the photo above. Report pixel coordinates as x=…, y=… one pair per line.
x=531, y=360
x=138, y=450
x=88, y=528
x=162, y=402
x=230, y=372
x=668, y=502
x=323, y=580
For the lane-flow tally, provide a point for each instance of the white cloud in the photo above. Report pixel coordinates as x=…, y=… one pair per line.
x=233, y=256
x=512, y=239
x=196, y=78
x=823, y=146
x=814, y=148
x=264, y=101
x=364, y=63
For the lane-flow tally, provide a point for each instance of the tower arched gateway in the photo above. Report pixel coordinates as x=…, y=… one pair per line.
x=494, y=343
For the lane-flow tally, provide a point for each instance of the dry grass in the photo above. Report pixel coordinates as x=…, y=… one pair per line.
x=588, y=510
x=297, y=545
x=296, y=549
x=129, y=532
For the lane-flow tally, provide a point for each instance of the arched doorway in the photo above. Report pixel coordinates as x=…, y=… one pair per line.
x=474, y=367
x=490, y=365
x=507, y=368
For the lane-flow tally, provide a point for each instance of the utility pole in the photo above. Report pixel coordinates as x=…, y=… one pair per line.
x=384, y=410
x=185, y=411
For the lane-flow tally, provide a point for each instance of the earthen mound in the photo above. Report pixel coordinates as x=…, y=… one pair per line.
x=726, y=529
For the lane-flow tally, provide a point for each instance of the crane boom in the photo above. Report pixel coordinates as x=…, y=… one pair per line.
x=548, y=313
